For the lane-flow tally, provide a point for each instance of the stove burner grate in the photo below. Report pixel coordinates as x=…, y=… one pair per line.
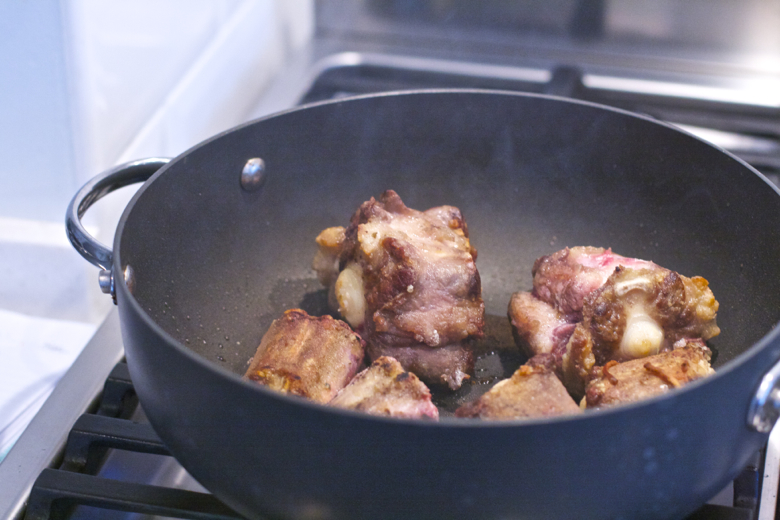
x=57, y=493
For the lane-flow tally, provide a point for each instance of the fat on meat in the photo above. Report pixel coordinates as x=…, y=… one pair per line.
x=307, y=356
x=638, y=379
x=563, y=279
x=408, y=282
x=385, y=388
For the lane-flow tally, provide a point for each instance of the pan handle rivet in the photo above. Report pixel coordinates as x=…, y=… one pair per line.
x=253, y=174
x=106, y=281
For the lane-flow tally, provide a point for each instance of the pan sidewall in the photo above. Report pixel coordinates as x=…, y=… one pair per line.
x=266, y=454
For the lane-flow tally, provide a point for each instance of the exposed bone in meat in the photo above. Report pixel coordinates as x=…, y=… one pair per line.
x=414, y=275
x=309, y=356
x=532, y=391
x=617, y=383
x=622, y=308
x=564, y=278
x=349, y=291
x=637, y=313
x=326, y=259
x=385, y=388
x=546, y=317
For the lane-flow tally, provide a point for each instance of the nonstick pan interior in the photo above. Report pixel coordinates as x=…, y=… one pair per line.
x=215, y=264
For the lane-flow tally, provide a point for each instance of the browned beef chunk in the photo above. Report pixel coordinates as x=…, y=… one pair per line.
x=385, y=388
x=309, y=356
x=617, y=383
x=407, y=280
x=623, y=308
x=635, y=314
x=539, y=327
x=564, y=278
x=532, y=391
x=448, y=365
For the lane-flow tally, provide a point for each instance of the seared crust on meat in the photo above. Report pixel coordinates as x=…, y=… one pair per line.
x=421, y=283
x=564, y=278
x=308, y=356
x=385, y=388
x=408, y=281
x=683, y=307
x=578, y=362
x=616, y=383
x=620, y=309
x=532, y=391
x=636, y=313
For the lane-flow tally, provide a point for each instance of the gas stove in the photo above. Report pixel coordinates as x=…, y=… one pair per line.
x=90, y=453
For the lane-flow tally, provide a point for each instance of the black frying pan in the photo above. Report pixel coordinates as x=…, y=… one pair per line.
x=210, y=263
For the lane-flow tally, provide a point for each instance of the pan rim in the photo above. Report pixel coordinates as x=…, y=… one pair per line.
x=772, y=336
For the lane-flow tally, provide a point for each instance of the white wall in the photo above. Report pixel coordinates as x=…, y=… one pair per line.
x=36, y=161
x=85, y=84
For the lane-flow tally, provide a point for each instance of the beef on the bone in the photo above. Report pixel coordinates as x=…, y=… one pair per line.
x=448, y=365
x=539, y=327
x=308, y=356
x=408, y=282
x=617, y=383
x=385, y=388
x=564, y=278
x=635, y=314
x=543, y=320
x=532, y=391
x=621, y=308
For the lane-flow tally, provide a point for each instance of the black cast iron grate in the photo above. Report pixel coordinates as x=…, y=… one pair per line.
x=78, y=483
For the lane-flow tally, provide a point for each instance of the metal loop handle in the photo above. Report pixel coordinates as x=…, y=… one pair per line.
x=101, y=185
x=765, y=406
